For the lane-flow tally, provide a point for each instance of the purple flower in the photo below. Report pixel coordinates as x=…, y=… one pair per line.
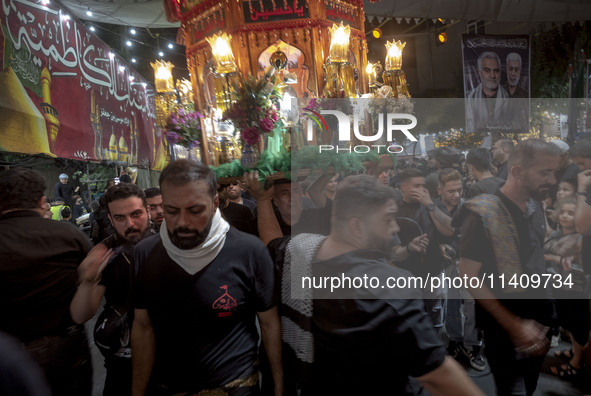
x=181, y=112
x=266, y=124
x=250, y=136
x=312, y=104
x=195, y=143
x=274, y=116
x=172, y=137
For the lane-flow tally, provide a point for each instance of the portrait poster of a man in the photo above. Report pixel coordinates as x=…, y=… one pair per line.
x=496, y=83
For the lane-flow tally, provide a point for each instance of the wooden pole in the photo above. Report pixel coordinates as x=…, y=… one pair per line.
x=205, y=143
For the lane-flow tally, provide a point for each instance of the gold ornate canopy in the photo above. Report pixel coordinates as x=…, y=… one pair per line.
x=262, y=27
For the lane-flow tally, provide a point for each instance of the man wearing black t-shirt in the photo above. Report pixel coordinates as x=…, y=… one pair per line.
x=502, y=235
x=419, y=215
x=38, y=273
x=234, y=193
x=200, y=287
x=479, y=165
x=501, y=152
x=360, y=341
x=108, y=272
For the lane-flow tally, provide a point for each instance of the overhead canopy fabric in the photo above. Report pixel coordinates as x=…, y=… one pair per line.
x=151, y=14
x=488, y=10
x=146, y=14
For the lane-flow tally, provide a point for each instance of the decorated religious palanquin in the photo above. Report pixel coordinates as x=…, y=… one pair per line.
x=261, y=31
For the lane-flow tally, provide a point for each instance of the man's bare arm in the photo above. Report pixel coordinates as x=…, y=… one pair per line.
x=316, y=190
x=449, y=379
x=526, y=334
x=417, y=245
x=271, y=336
x=88, y=296
x=442, y=222
x=143, y=351
x=267, y=223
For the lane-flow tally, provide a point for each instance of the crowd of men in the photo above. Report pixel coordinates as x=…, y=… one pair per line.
x=202, y=293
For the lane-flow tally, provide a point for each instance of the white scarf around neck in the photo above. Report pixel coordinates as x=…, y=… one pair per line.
x=194, y=260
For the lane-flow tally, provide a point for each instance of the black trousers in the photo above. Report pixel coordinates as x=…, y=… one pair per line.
x=118, y=380
x=65, y=360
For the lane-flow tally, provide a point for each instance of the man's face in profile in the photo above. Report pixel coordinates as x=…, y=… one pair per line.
x=490, y=74
x=380, y=226
x=513, y=72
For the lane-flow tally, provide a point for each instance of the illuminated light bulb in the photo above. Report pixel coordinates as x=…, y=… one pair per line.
x=222, y=53
x=163, y=76
x=339, y=42
x=394, y=55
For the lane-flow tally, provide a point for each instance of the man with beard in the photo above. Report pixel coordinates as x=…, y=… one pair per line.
x=200, y=287
x=503, y=234
x=234, y=193
x=512, y=85
x=154, y=201
x=360, y=340
x=501, y=151
x=38, y=261
x=487, y=104
x=108, y=271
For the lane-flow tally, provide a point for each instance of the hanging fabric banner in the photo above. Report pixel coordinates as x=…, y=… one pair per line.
x=496, y=83
x=66, y=94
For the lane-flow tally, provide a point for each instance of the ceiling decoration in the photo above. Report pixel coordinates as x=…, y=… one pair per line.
x=151, y=13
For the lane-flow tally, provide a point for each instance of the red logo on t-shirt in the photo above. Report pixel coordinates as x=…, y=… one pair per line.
x=226, y=303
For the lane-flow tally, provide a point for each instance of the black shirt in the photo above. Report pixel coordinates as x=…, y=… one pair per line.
x=65, y=191
x=240, y=217
x=204, y=324
x=490, y=185
x=38, y=273
x=476, y=245
x=370, y=345
x=312, y=221
x=252, y=205
x=504, y=170
x=420, y=223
